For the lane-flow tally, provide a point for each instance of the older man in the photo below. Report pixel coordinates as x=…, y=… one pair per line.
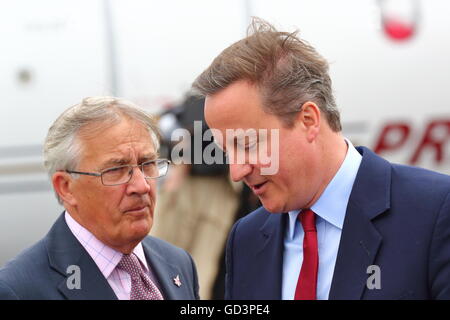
x=102, y=157
x=338, y=222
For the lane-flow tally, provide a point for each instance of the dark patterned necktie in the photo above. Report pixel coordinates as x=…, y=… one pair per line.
x=142, y=287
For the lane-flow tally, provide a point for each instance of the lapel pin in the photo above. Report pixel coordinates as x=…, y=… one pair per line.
x=177, y=281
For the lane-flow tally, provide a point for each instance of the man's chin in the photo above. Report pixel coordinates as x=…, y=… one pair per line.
x=140, y=228
x=272, y=207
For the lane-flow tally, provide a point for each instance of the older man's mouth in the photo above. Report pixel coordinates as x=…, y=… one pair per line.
x=138, y=210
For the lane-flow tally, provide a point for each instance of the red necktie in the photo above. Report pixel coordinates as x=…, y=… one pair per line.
x=307, y=281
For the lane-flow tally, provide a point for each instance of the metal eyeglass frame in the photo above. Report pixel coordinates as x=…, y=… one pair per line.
x=130, y=166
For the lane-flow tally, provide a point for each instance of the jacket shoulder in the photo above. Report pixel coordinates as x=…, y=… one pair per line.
x=171, y=254
x=253, y=221
x=426, y=176
x=420, y=183
x=174, y=256
x=21, y=273
x=164, y=248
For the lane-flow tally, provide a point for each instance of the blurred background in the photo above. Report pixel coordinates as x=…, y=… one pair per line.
x=389, y=61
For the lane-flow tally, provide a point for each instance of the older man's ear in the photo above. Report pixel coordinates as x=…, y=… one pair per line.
x=63, y=185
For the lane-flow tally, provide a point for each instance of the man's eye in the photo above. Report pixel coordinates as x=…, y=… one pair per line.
x=116, y=171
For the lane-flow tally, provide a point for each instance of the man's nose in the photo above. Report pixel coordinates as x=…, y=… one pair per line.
x=138, y=183
x=240, y=171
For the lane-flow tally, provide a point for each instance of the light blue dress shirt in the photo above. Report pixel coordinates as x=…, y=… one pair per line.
x=330, y=211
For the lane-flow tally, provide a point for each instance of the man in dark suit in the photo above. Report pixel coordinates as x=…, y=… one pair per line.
x=102, y=157
x=337, y=222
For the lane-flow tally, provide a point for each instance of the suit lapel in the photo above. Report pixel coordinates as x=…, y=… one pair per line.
x=94, y=286
x=360, y=240
x=64, y=250
x=268, y=260
x=165, y=273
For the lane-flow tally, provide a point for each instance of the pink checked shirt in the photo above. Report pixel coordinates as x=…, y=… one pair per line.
x=107, y=259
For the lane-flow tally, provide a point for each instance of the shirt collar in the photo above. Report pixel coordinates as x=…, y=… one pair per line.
x=332, y=204
x=105, y=257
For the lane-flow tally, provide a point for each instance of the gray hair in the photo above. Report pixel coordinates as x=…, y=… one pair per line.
x=62, y=148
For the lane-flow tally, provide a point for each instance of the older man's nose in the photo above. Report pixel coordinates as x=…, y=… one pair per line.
x=138, y=183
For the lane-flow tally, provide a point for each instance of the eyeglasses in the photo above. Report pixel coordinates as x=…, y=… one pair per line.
x=122, y=174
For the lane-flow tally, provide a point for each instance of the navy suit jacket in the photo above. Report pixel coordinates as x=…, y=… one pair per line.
x=398, y=218
x=41, y=272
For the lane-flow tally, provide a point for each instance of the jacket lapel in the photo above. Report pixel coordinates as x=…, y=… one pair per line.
x=64, y=251
x=360, y=240
x=268, y=260
x=166, y=273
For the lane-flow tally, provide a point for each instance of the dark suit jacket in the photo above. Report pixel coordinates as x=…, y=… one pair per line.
x=397, y=217
x=40, y=272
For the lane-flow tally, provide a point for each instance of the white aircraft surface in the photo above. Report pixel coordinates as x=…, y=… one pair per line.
x=389, y=61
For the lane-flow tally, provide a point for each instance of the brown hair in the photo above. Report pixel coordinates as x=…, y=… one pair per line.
x=287, y=70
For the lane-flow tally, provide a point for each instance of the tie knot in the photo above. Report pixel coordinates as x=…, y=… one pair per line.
x=308, y=219
x=130, y=263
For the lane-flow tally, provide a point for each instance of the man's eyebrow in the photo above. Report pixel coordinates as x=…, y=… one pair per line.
x=123, y=161
x=114, y=162
x=148, y=157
